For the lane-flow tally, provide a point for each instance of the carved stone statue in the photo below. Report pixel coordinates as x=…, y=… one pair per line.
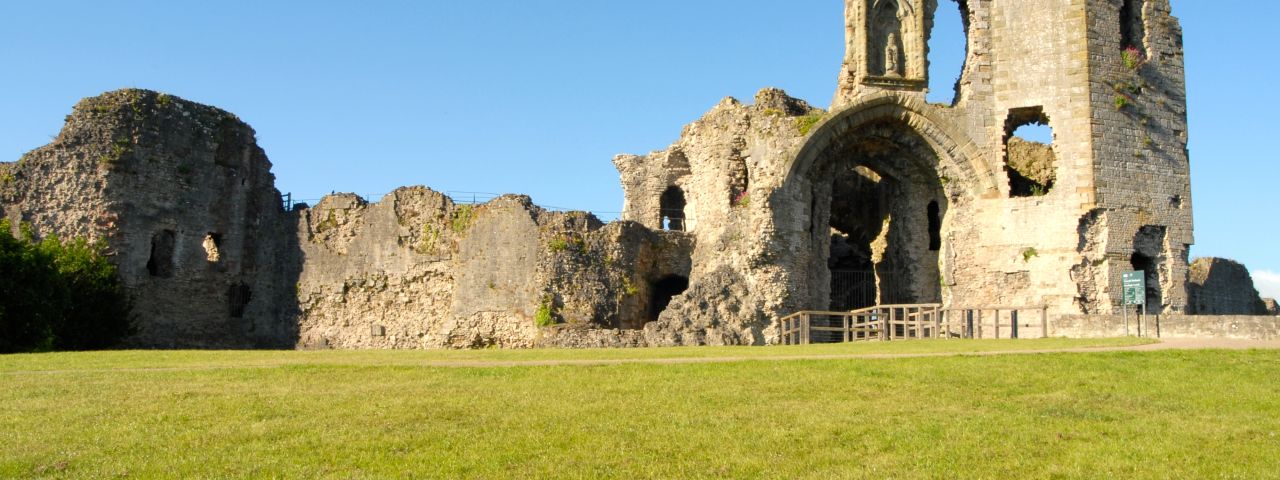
x=892, y=68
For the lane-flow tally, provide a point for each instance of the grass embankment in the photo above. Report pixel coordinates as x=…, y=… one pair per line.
x=377, y=414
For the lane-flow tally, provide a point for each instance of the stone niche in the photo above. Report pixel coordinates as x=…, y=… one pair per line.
x=894, y=40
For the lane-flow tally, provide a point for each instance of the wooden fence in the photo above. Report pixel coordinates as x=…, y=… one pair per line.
x=907, y=322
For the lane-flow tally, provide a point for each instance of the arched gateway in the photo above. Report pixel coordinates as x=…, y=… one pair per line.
x=882, y=178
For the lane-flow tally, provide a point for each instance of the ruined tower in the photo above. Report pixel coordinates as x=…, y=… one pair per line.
x=946, y=203
x=1055, y=223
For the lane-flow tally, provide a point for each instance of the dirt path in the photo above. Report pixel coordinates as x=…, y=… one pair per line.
x=1168, y=344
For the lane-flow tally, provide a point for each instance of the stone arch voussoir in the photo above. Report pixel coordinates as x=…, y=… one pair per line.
x=954, y=148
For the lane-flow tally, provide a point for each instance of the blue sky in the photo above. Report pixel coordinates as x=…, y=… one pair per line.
x=536, y=96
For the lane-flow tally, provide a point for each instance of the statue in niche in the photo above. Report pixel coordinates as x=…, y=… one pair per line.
x=892, y=66
x=885, y=26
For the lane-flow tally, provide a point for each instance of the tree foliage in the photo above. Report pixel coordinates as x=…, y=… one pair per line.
x=58, y=296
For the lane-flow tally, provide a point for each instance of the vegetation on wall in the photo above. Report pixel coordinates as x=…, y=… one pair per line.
x=462, y=218
x=806, y=123
x=545, y=315
x=58, y=296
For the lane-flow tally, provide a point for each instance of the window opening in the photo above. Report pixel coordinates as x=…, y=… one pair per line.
x=213, y=247
x=1030, y=160
x=948, y=51
x=935, y=227
x=1133, y=28
x=672, y=206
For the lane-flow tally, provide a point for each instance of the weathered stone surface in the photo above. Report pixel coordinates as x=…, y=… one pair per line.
x=1223, y=287
x=159, y=178
x=1273, y=307
x=417, y=270
x=718, y=310
x=1035, y=161
x=1239, y=327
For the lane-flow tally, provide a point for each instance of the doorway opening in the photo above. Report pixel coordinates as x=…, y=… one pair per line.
x=663, y=291
x=885, y=225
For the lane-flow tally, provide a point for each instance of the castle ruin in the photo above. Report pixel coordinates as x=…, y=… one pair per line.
x=755, y=212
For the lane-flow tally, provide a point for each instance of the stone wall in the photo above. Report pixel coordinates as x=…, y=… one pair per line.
x=1142, y=171
x=730, y=163
x=186, y=202
x=1223, y=287
x=1242, y=327
x=417, y=270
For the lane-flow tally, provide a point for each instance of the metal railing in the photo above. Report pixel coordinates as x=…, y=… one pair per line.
x=910, y=322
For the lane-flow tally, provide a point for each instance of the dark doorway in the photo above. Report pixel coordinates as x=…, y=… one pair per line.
x=662, y=293
x=160, y=263
x=884, y=228
x=238, y=296
x=1149, y=257
x=1149, y=268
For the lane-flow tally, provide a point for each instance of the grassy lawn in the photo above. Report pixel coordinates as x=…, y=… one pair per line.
x=230, y=359
x=1206, y=414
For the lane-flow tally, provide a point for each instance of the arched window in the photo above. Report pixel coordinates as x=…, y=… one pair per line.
x=1029, y=158
x=672, y=206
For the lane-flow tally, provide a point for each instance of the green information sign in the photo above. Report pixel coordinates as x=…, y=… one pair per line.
x=1135, y=288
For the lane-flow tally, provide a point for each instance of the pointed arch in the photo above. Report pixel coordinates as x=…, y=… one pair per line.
x=955, y=150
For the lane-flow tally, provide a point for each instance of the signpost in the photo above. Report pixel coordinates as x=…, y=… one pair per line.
x=1135, y=293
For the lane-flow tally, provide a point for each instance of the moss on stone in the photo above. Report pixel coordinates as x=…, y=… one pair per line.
x=806, y=123
x=462, y=218
x=428, y=243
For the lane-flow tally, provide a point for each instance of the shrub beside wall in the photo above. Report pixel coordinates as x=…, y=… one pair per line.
x=58, y=296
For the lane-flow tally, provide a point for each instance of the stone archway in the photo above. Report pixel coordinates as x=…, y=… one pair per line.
x=883, y=181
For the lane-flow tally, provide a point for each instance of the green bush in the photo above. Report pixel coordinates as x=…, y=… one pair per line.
x=545, y=316
x=58, y=296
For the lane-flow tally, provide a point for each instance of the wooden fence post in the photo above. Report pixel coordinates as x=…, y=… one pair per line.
x=937, y=323
x=884, y=325
x=1013, y=321
x=996, y=321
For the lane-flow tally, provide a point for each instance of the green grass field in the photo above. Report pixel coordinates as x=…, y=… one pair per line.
x=1203, y=414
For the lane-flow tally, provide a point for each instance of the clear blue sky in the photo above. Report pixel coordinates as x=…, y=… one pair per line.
x=536, y=96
